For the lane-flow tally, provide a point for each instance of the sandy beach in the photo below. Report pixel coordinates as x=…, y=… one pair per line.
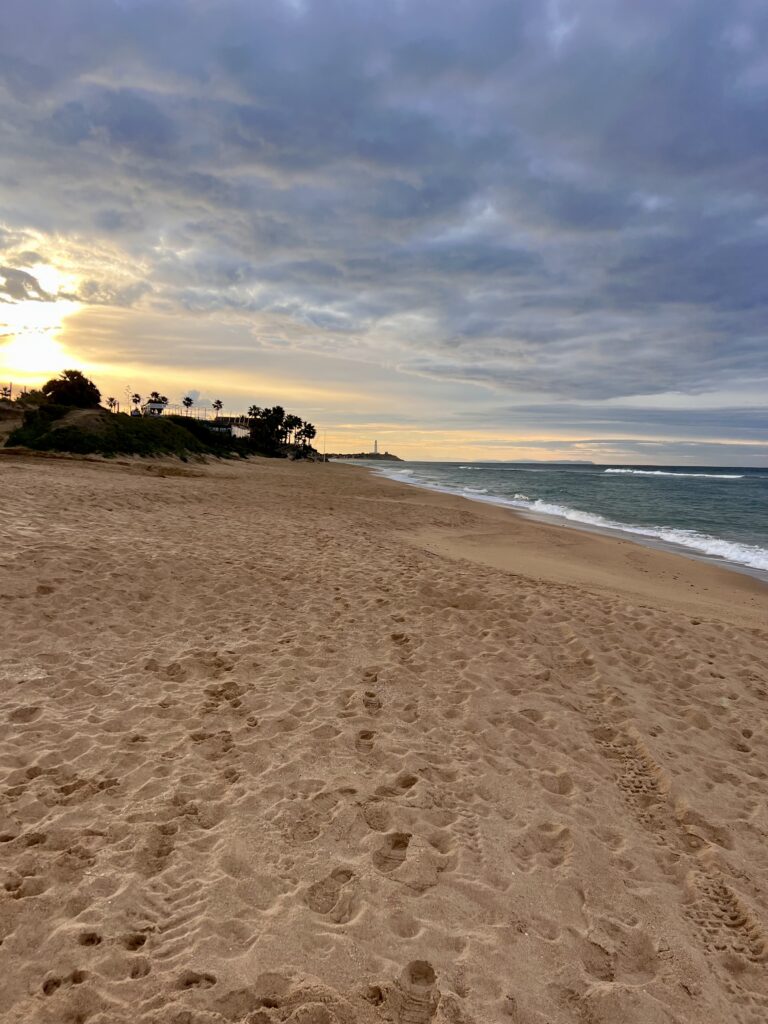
x=292, y=742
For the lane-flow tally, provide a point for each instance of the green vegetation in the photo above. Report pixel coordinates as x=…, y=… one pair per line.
x=27, y=399
x=72, y=388
x=271, y=430
x=71, y=423
x=97, y=432
x=369, y=456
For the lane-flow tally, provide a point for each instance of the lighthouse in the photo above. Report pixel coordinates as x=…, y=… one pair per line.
x=375, y=447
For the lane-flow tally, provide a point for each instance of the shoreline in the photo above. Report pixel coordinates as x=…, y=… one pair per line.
x=529, y=546
x=290, y=742
x=626, y=531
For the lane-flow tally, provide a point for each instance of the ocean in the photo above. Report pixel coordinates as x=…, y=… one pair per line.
x=717, y=513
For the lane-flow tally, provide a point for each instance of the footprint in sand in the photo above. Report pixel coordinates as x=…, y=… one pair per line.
x=133, y=941
x=416, y=995
x=399, y=786
x=364, y=741
x=392, y=852
x=547, y=845
x=333, y=896
x=559, y=783
x=140, y=968
x=196, y=979
x=376, y=815
x=372, y=702
x=54, y=982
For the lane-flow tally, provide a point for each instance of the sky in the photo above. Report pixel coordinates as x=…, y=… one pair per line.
x=484, y=229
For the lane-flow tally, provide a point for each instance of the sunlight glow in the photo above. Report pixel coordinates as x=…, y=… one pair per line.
x=34, y=317
x=33, y=354
x=51, y=279
x=31, y=328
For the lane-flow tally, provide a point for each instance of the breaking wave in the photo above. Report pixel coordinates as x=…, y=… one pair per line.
x=666, y=472
x=749, y=555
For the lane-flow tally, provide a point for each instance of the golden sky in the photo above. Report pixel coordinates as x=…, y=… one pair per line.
x=351, y=406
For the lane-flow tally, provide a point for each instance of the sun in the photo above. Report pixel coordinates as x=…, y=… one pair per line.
x=30, y=328
x=32, y=354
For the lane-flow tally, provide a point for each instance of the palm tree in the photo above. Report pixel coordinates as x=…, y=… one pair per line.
x=155, y=396
x=136, y=399
x=254, y=412
x=187, y=402
x=5, y=392
x=218, y=405
x=291, y=426
x=309, y=433
x=111, y=403
x=275, y=418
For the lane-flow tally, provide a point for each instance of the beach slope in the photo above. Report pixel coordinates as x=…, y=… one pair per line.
x=285, y=742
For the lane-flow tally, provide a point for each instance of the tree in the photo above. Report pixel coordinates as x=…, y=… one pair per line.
x=271, y=428
x=33, y=397
x=111, y=403
x=188, y=402
x=274, y=419
x=218, y=405
x=292, y=425
x=72, y=388
x=5, y=392
x=136, y=399
x=155, y=396
x=308, y=434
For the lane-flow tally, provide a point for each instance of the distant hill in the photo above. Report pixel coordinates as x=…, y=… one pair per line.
x=372, y=456
x=539, y=462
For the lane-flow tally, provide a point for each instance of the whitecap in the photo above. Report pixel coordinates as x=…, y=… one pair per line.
x=749, y=555
x=666, y=472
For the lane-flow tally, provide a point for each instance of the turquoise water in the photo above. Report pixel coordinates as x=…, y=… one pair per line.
x=714, y=512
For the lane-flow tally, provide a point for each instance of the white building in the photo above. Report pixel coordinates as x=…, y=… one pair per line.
x=153, y=409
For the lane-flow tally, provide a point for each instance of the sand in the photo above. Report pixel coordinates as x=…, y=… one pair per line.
x=292, y=742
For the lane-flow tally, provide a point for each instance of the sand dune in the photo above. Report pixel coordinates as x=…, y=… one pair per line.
x=282, y=743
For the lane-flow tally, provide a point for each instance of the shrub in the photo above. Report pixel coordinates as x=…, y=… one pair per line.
x=103, y=434
x=72, y=388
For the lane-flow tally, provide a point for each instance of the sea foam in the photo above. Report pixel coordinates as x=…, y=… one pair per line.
x=750, y=556
x=665, y=472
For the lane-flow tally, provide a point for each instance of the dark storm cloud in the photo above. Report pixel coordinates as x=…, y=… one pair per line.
x=560, y=199
x=121, y=119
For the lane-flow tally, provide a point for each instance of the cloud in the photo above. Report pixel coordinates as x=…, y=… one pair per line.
x=550, y=204
x=121, y=119
x=19, y=286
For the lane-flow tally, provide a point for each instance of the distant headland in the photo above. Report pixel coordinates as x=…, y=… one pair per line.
x=373, y=456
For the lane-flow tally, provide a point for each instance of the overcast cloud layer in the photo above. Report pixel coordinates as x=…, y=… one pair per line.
x=548, y=206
